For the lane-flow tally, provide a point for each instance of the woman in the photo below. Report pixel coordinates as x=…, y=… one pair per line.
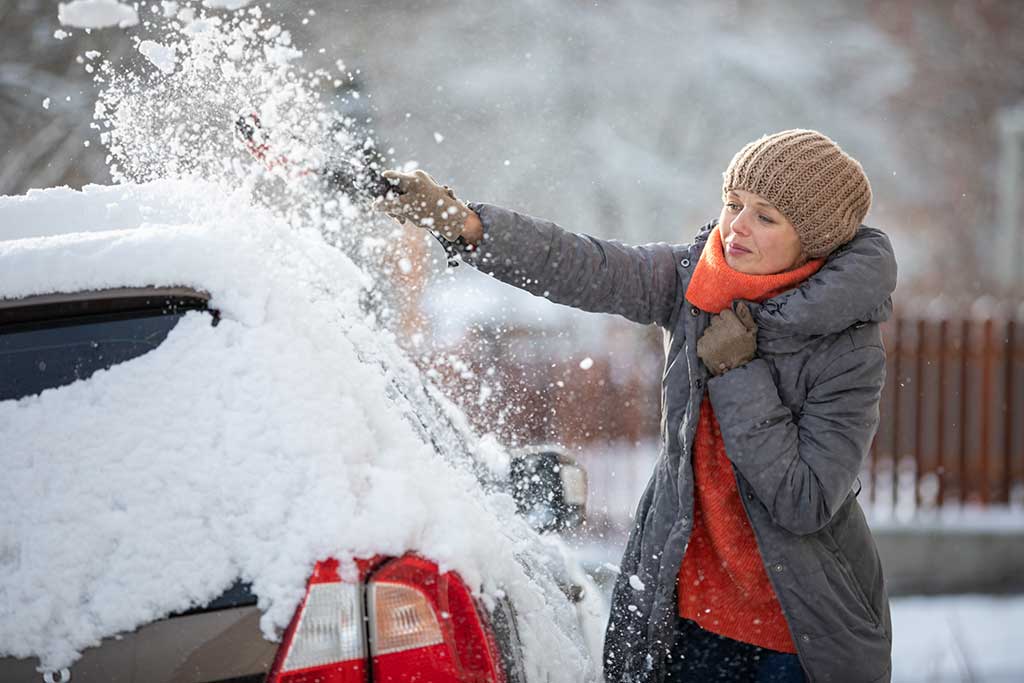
x=753, y=556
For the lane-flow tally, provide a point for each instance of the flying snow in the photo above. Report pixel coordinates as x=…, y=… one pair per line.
x=226, y=4
x=161, y=56
x=96, y=14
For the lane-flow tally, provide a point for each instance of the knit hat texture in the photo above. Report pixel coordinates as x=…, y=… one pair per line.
x=821, y=189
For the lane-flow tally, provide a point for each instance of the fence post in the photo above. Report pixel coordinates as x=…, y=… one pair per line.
x=919, y=406
x=940, y=446
x=986, y=410
x=965, y=342
x=1008, y=405
x=896, y=396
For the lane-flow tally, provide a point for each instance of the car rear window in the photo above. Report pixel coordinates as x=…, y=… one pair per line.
x=43, y=347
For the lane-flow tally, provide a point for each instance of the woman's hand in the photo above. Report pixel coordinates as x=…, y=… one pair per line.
x=418, y=197
x=730, y=340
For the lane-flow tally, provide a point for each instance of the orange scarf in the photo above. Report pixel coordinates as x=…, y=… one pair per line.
x=715, y=284
x=723, y=585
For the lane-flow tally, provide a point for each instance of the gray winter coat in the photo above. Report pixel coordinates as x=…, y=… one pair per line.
x=797, y=422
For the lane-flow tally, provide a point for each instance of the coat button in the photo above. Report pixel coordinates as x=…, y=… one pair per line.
x=778, y=567
x=694, y=312
x=685, y=263
x=698, y=383
x=806, y=638
x=686, y=519
x=750, y=496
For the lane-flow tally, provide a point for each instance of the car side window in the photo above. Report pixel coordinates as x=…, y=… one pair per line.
x=43, y=351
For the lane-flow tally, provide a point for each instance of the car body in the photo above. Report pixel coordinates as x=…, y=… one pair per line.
x=204, y=433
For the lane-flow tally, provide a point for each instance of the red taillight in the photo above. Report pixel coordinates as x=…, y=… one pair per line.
x=326, y=641
x=424, y=626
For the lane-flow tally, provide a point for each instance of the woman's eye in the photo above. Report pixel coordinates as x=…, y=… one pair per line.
x=766, y=219
x=732, y=206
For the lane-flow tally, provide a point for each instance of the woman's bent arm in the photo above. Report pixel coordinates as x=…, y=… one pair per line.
x=801, y=468
x=603, y=276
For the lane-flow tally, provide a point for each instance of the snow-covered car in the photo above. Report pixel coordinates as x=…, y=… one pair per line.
x=208, y=444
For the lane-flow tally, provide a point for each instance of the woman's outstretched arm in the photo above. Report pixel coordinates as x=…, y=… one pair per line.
x=640, y=283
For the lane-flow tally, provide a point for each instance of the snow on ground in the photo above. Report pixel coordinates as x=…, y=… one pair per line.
x=249, y=449
x=967, y=518
x=958, y=638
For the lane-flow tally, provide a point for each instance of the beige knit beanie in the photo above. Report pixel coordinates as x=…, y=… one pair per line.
x=821, y=189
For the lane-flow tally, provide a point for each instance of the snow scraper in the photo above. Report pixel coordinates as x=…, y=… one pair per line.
x=359, y=179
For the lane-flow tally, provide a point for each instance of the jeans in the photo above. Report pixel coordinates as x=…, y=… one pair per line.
x=701, y=656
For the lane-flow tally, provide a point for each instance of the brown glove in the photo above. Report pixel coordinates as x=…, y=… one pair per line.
x=418, y=197
x=730, y=340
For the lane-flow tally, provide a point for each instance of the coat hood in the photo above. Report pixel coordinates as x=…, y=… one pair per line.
x=854, y=286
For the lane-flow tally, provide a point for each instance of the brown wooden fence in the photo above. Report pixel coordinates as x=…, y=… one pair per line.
x=952, y=415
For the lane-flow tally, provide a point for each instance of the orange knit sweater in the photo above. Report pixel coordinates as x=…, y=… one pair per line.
x=723, y=585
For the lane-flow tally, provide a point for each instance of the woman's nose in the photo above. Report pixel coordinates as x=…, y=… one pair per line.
x=741, y=224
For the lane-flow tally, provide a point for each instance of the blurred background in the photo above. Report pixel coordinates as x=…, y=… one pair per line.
x=617, y=119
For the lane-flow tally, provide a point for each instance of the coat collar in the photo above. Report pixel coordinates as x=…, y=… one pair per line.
x=854, y=286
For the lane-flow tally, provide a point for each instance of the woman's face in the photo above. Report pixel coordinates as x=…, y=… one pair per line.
x=756, y=237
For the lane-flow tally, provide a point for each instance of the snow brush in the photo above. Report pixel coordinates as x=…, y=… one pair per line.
x=361, y=182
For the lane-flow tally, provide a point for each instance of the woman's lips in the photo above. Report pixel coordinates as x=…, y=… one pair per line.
x=736, y=249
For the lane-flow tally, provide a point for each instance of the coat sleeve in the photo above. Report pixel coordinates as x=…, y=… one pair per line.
x=801, y=467
x=640, y=283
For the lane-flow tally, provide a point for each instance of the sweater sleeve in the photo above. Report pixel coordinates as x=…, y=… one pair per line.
x=801, y=467
x=640, y=283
